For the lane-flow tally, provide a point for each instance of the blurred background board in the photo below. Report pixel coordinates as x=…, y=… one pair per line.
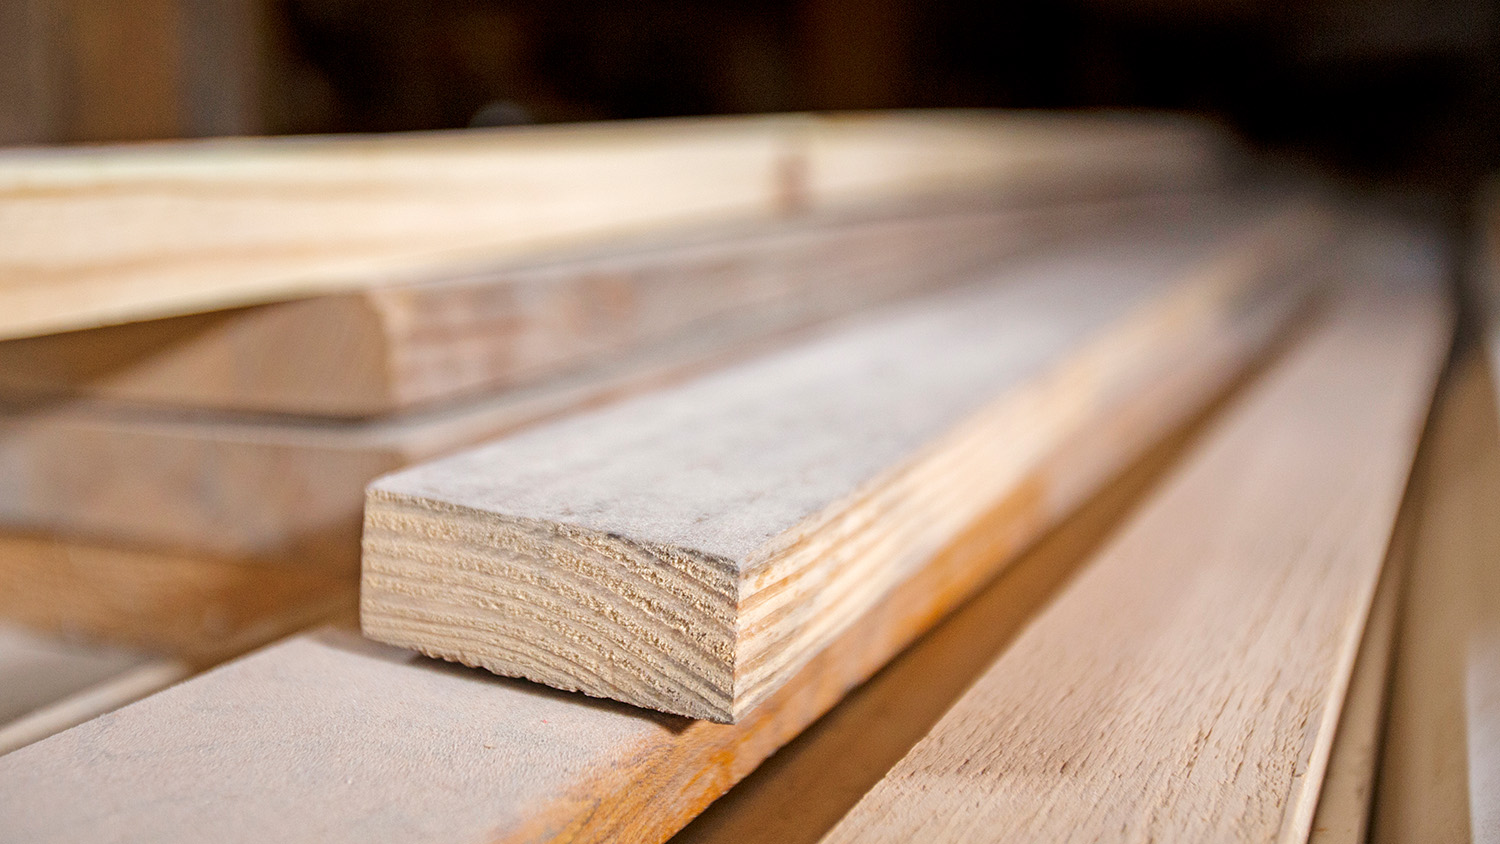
x=103, y=236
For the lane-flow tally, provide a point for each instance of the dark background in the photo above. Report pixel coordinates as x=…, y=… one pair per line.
x=1388, y=90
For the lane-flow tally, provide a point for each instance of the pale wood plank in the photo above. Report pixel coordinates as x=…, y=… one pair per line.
x=384, y=350
x=103, y=236
x=689, y=550
x=479, y=758
x=1186, y=685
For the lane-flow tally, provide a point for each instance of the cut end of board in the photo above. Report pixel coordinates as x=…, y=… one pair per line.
x=573, y=608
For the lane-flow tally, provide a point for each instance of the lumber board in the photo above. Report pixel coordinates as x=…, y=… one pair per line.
x=1452, y=598
x=197, y=610
x=482, y=758
x=691, y=549
x=389, y=349
x=100, y=236
x=1187, y=684
x=262, y=487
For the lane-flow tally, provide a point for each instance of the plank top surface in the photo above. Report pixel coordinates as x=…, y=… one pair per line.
x=1187, y=684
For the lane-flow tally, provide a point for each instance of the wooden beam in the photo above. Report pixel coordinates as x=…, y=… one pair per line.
x=1187, y=684
x=390, y=349
x=104, y=236
x=480, y=758
x=690, y=550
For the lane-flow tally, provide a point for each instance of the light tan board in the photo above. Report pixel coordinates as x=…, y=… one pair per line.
x=101, y=236
x=197, y=610
x=235, y=487
x=1427, y=776
x=387, y=349
x=464, y=756
x=1186, y=686
x=689, y=550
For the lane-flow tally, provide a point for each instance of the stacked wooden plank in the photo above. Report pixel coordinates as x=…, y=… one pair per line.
x=1154, y=456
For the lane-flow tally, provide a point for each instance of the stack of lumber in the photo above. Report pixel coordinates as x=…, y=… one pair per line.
x=962, y=502
x=194, y=483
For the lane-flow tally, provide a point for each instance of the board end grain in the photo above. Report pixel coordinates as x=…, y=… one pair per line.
x=576, y=609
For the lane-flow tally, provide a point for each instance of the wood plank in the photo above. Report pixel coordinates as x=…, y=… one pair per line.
x=690, y=550
x=198, y=610
x=255, y=487
x=1452, y=596
x=103, y=236
x=385, y=350
x=1186, y=685
x=481, y=758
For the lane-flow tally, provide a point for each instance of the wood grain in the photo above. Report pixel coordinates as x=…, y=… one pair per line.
x=103, y=236
x=1452, y=597
x=198, y=610
x=478, y=758
x=688, y=551
x=389, y=349
x=1187, y=684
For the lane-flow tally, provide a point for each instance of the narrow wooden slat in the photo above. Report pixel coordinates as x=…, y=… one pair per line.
x=96, y=237
x=392, y=348
x=471, y=757
x=690, y=550
x=1187, y=684
x=1453, y=592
